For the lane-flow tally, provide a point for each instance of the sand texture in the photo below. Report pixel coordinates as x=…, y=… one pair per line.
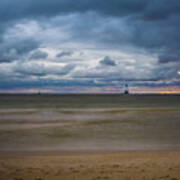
x=94, y=166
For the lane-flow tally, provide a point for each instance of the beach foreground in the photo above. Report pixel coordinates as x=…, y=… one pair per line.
x=91, y=166
x=89, y=137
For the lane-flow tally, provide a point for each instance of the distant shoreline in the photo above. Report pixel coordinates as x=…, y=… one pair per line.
x=90, y=94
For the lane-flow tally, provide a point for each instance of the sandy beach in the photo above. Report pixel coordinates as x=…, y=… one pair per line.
x=111, y=137
x=154, y=165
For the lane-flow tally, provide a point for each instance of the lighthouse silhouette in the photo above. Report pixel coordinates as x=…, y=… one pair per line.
x=126, y=89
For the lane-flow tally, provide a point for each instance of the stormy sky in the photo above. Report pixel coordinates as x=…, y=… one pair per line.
x=88, y=46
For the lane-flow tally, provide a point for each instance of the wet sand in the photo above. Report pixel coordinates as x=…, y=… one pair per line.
x=154, y=165
x=89, y=129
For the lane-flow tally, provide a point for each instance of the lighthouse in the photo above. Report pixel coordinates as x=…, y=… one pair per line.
x=126, y=89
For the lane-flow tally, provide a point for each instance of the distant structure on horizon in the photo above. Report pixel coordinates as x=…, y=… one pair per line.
x=126, y=89
x=39, y=93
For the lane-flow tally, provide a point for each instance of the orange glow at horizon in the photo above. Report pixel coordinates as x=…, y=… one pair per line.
x=169, y=92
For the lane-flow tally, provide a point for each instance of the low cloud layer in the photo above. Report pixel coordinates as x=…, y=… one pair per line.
x=64, y=53
x=39, y=55
x=107, y=61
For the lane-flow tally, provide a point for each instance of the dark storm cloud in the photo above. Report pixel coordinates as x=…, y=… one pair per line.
x=141, y=31
x=39, y=55
x=25, y=46
x=9, y=56
x=13, y=50
x=34, y=69
x=150, y=23
x=31, y=8
x=64, y=53
x=169, y=58
x=149, y=9
x=44, y=83
x=161, y=9
x=107, y=61
x=36, y=83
